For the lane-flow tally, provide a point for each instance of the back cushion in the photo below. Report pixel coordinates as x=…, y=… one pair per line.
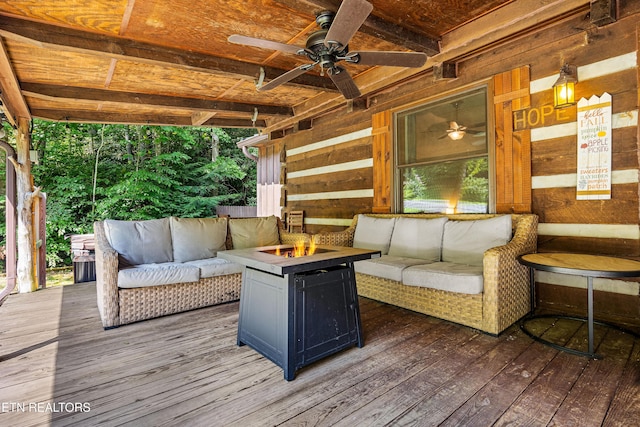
x=373, y=233
x=253, y=232
x=197, y=238
x=140, y=242
x=464, y=242
x=418, y=238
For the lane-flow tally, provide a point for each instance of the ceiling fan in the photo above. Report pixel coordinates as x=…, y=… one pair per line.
x=329, y=45
x=457, y=131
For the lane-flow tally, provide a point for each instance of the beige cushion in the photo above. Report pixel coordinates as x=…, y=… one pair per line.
x=418, y=238
x=464, y=242
x=197, y=238
x=157, y=274
x=387, y=266
x=140, y=242
x=446, y=276
x=254, y=232
x=212, y=267
x=373, y=233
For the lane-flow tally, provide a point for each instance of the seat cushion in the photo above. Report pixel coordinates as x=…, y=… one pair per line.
x=140, y=242
x=197, y=238
x=418, y=238
x=387, y=266
x=212, y=267
x=373, y=233
x=157, y=274
x=446, y=276
x=254, y=232
x=464, y=242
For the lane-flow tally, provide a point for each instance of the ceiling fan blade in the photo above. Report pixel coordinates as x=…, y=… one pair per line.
x=350, y=16
x=344, y=83
x=394, y=59
x=286, y=77
x=264, y=44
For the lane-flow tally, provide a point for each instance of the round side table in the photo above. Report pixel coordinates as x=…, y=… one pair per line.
x=588, y=266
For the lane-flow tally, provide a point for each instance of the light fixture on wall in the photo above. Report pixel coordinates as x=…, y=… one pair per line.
x=564, y=87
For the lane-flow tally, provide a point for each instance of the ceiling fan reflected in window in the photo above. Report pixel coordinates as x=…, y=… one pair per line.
x=328, y=46
x=456, y=131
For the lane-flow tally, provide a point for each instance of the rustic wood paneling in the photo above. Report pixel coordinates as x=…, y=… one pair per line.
x=559, y=205
x=512, y=149
x=353, y=180
x=589, y=245
x=559, y=155
x=349, y=151
x=382, y=162
x=269, y=164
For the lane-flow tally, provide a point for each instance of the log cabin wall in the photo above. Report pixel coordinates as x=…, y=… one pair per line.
x=330, y=169
x=269, y=181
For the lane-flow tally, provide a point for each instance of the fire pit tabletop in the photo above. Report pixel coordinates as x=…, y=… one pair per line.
x=262, y=258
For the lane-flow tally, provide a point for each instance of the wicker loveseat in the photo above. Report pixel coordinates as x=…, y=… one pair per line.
x=489, y=295
x=146, y=269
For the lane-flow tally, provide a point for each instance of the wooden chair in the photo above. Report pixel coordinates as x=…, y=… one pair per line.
x=295, y=220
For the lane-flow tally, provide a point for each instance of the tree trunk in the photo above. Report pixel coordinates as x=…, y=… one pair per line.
x=25, y=194
x=215, y=141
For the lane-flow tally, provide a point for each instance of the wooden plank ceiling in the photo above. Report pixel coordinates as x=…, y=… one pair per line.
x=169, y=62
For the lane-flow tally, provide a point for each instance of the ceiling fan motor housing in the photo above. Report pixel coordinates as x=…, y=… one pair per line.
x=317, y=50
x=324, y=19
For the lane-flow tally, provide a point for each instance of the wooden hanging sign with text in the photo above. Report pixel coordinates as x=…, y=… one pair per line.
x=594, y=148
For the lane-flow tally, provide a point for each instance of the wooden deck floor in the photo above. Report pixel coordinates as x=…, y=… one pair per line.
x=186, y=370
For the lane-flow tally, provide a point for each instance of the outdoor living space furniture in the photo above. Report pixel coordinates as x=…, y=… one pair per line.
x=151, y=268
x=459, y=267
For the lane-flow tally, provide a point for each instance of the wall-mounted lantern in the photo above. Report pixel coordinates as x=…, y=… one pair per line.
x=564, y=87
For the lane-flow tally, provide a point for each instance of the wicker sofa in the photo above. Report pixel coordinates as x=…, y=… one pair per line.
x=147, y=269
x=490, y=296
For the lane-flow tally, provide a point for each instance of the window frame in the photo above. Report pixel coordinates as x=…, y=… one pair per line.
x=397, y=177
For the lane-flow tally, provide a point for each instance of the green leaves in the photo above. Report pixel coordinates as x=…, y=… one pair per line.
x=143, y=172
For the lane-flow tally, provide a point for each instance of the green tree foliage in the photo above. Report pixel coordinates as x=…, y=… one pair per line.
x=460, y=180
x=91, y=172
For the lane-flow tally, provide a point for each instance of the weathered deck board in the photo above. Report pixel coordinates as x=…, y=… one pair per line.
x=186, y=369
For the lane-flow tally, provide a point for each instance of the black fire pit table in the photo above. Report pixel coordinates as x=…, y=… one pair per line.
x=297, y=310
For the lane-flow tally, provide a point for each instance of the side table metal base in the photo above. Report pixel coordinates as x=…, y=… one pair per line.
x=590, y=354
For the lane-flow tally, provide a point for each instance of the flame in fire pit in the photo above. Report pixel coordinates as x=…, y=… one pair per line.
x=299, y=250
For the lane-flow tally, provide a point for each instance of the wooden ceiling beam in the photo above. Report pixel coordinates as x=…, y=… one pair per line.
x=13, y=102
x=47, y=91
x=68, y=39
x=74, y=116
x=373, y=26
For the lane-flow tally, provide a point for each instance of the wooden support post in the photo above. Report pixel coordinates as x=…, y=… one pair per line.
x=26, y=193
x=10, y=220
x=40, y=225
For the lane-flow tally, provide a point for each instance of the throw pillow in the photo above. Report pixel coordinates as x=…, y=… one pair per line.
x=464, y=242
x=418, y=238
x=254, y=232
x=140, y=242
x=197, y=238
x=373, y=233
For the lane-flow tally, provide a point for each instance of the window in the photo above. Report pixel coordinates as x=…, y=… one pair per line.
x=442, y=156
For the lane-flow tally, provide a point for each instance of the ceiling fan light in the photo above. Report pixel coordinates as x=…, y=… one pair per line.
x=456, y=135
